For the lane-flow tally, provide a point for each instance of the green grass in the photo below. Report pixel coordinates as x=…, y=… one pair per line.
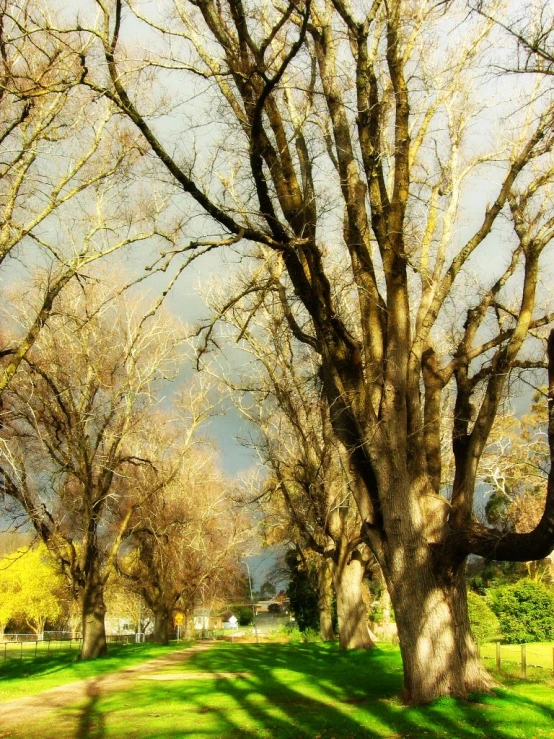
x=22, y=677
x=307, y=690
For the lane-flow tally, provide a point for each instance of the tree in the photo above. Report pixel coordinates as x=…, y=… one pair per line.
x=280, y=393
x=65, y=162
x=347, y=159
x=531, y=26
x=515, y=471
x=76, y=435
x=267, y=590
x=181, y=550
x=525, y=611
x=31, y=589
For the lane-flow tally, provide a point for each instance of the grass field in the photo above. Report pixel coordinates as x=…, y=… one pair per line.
x=19, y=678
x=308, y=690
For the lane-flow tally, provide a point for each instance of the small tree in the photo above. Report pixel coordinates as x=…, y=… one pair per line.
x=525, y=611
x=31, y=587
x=245, y=616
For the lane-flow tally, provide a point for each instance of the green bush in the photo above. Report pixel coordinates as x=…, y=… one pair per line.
x=245, y=616
x=484, y=623
x=525, y=611
x=293, y=634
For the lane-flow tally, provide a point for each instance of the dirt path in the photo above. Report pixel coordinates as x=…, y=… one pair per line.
x=15, y=712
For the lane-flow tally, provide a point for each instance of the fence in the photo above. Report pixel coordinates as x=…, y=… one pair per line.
x=22, y=649
x=44, y=636
x=30, y=646
x=508, y=656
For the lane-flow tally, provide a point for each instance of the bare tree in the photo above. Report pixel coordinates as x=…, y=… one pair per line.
x=281, y=395
x=65, y=161
x=344, y=152
x=181, y=548
x=531, y=26
x=75, y=437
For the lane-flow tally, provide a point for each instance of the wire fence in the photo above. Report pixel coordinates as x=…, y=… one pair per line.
x=31, y=646
x=26, y=649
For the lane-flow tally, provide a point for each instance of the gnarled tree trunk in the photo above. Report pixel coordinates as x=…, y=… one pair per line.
x=325, y=597
x=351, y=609
x=438, y=651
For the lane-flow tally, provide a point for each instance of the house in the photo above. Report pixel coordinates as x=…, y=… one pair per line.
x=205, y=620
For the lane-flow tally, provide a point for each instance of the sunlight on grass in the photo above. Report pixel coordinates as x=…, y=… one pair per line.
x=26, y=677
x=310, y=690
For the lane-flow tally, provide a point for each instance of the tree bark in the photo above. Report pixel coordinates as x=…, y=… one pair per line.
x=351, y=609
x=93, y=615
x=325, y=596
x=438, y=652
x=161, y=626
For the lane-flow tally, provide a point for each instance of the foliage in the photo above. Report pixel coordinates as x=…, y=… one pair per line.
x=302, y=594
x=525, y=611
x=32, y=588
x=484, y=623
x=65, y=189
x=183, y=547
x=245, y=616
x=484, y=574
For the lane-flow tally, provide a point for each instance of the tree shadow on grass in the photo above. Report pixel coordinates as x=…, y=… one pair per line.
x=316, y=690
x=31, y=667
x=91, y=721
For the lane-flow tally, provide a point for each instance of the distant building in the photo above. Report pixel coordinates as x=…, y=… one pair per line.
x=205, y=620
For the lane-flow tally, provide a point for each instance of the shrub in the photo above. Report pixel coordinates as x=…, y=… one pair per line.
x=245, y=616
x=525, y=611
x=484, y=623
x=294, y=635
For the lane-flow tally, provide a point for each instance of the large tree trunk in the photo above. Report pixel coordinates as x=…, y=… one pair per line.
x=93, y=615
x=325, y=597
x=161, y=626
x=351, y=609
x=438, y=652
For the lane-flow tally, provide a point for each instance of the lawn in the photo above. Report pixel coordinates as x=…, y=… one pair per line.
x=292, y=691
x=28, y=676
